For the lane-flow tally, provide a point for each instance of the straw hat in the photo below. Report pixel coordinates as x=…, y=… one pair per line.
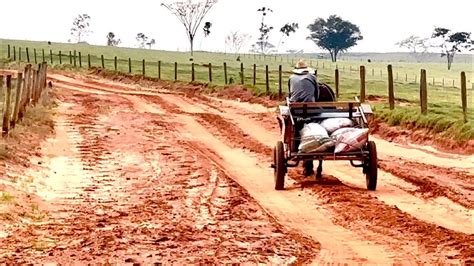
x=301, y=67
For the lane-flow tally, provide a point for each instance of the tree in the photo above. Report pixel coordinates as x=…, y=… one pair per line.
x=334, y=35
x=286, y=30
x=80, y=27
x=141, y=40
x=452, y=43
x=262, y=47
x=207, y=28
x=150, y=43
x=414, y=44
x=190, y=15
x=264, y=31
x=235, y=40
x=111, y=41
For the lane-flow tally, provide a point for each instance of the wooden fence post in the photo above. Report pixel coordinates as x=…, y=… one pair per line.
x=75, y=58
x=225, y=73
x=336, y=76
x=34, y=83
x=18, y=99
x=6, y=113
x=254, y=74
x=80, y=60
x=406, y=77
x=175, y=71
x=373, y=73
x=193, y=74
x=27, y=55
x=362, y=83
x=115, y=63
x=60, y=58
x=102, y=60
x=143, y=67
x=14, y=53
x=129, y=65
x=34, y=52
x=44, y=57
x=267, y=81
x=8, y=52
x=423, y=93
x=210, y=72
x=391, y=96
x=19, y=54
x=159, y=69
x=242, y=74
x=280, y=82
x=453, y=83
x=464, y=95
x=51, y=56
x=26, y=88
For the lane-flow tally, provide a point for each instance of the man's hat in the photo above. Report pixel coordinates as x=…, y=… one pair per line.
x=301, y=67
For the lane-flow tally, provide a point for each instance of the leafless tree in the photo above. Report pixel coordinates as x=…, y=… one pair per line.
x=190, y=14
x=80, y=27
x=235, y=40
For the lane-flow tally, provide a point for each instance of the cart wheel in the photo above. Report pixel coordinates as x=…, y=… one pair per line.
x=371, y=166
x=280, y=166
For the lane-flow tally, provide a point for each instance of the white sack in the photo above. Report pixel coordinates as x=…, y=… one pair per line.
x=333, y=124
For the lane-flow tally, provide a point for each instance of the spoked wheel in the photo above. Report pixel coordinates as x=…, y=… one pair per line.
x=370, y=167
x=279, y=166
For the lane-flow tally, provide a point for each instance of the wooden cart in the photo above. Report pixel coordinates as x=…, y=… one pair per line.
x=292, y=118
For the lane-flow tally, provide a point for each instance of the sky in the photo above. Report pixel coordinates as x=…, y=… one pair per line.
x=382, y=23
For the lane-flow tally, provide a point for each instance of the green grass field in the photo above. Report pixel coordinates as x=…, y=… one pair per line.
x=444, y=97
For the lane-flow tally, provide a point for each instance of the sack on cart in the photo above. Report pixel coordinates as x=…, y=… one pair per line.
x=314, y=138
x=333, y=124
x=350, y=139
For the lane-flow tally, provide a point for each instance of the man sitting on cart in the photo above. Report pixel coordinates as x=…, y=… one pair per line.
x=303, y=87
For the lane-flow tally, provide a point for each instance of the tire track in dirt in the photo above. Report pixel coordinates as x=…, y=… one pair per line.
x=361, y=202
x=457, y=247
x=149, y=197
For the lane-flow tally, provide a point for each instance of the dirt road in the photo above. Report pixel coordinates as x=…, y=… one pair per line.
x=143, y=174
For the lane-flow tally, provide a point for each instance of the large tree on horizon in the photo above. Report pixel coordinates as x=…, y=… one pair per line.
x=190, y=14
x=80, y=27
x=452, y=43
x=334, y=35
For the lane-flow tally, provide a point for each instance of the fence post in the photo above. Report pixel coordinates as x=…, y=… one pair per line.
x=159, y=69
x=453, y=83
x=423, y=93
x=89, y=61
x=70, y=58
x=443, y=83
x=60, y=58
x=193, y=74
x=34, y=52
x=129, y=65
x=210, y=72
x=373, y=73
x=44, y=57
x=464, y=95
x=242, y=74
x=433, y=81
x=8, y=51
x=406, y=77
x=336, y=76
x=26, y=88
x=362, y=83
x=14, y=53
x=27, y=55
x=75, y=58
x=102, y=60
x=143, y=67
x=6, y=114
x=254, y=74
x=19, y=54
x=267, y=81
x=280, y=82
x=80, y=60
x=391, y=96
x=175, y=71
x=115, y=63
x=18, y=96
x=225, y=73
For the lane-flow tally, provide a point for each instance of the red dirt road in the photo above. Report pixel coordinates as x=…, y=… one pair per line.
x=141, y=174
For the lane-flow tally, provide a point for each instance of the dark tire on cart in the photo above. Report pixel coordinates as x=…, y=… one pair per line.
x=371, y=166
x=279, y=166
